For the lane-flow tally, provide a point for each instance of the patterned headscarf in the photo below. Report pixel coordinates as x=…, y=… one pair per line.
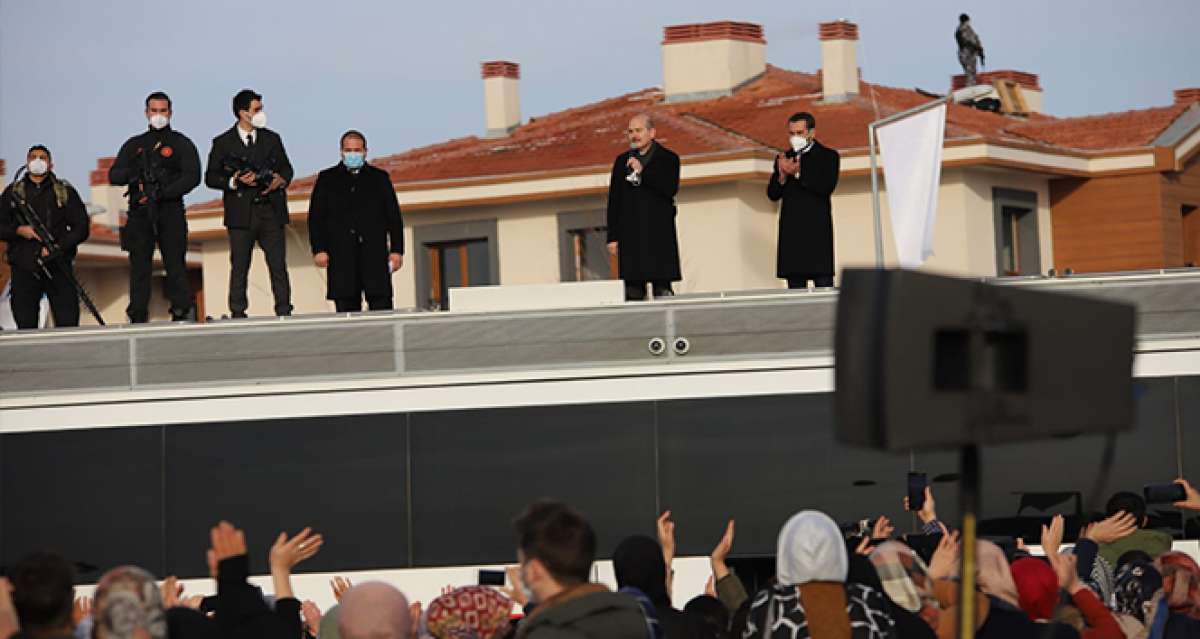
x=1136, y=584
x=470, y=612
x=1181, y=583
x=905, y=579
x=127, y=599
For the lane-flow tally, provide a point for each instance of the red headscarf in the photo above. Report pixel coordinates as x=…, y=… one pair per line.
x=1181, y=583
x=1037, y=587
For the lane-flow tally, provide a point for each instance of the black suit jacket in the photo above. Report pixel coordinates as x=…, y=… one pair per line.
x=268, y=152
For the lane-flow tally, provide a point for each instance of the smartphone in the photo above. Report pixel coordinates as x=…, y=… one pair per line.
x=491, y=577
x=916, y=490
x=1164, y=493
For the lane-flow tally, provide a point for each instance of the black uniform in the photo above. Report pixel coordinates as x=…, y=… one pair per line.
x=62, y=211
x=806, y=218
x=160, y=167
x=355, y=218
x=249, y=215
x=641, y=220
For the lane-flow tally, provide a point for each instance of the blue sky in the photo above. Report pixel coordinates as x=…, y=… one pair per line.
x=73, y=74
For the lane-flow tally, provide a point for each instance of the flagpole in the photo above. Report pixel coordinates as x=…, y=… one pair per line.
x=875, y=166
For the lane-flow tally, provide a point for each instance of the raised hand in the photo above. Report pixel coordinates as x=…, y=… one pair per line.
x=1192, y=502
x=864, y=547
x=9, y=625
x=928, y=511
x=82, y=609
x=227, y=541
x=312, y=617
x=721, y=553
x=944, y=563
x=1109, y=530
x=1052, y=536
x=414, y=613
x=172, y=592
x=286, y=553
x=516, y=591
x=340, y=585
x=1065, y=569
x=883, y=528
x=666, y=537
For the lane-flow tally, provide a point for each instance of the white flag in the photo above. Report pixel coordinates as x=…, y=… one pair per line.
x=911, y=152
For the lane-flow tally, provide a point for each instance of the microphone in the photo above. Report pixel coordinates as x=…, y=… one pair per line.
x=634, y=177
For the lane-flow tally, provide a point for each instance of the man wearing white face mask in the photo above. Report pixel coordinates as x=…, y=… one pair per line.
x=804, y=178
x=161, y=166
x=248, y=162
x=355, y=229
x=34, y=271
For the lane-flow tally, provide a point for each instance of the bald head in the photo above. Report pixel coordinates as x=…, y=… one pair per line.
x=641, y=131
x=373, y=610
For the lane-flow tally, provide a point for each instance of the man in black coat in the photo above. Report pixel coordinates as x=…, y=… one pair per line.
x=641, y=212
x=248, y=162
x=805, y=178
x=35, y=272
x=356, y=229
x=160, y=166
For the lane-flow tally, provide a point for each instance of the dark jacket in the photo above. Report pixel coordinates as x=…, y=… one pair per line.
x=356, y=216
x=641, y=219
x=241, y=612
x=168, y=155
x=268, y=152
x=67, y=219
x=588, y=611
x=806, y=217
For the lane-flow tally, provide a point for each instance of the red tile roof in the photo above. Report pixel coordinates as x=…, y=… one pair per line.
x=752, y=119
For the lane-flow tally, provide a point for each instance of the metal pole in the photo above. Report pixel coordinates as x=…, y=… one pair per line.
x=875, y=199
x=875, y=167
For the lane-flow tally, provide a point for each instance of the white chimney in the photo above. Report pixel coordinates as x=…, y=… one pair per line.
x=702, y=61
x=839, y=60
x=501, y=97
x=111, y=198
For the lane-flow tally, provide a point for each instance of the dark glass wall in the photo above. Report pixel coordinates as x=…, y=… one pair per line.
x=441, y=488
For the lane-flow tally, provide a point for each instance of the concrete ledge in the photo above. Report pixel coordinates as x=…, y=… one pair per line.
x=527, y=297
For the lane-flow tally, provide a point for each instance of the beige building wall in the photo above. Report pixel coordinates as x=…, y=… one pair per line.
x=108, y=286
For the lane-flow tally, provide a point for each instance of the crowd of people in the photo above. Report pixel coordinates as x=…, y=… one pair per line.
x=1120, y=579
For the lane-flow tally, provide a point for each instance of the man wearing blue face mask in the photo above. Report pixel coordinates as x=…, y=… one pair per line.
x=356, y=229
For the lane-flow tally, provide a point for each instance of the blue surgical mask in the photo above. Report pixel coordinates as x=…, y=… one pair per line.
x=353, y=161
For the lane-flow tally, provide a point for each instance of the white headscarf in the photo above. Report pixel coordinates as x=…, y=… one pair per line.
x=810, y=548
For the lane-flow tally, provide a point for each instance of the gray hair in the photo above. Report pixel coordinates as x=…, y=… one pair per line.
x=646, y=117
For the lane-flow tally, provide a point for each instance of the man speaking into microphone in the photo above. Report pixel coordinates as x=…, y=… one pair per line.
x=160, y=165
x=641, y=212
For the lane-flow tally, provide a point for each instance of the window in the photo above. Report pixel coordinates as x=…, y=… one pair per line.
x=583, y=247
x=451, y=256
x=1191, y=235
x=1017, y=250
x=455, y=264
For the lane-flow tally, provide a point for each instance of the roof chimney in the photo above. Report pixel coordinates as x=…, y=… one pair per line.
x=1027, y=83
x=1182, y=96
x=839, y=60
x=501, y=98
x=709, y=60
x=2, y=173
x=105, y=195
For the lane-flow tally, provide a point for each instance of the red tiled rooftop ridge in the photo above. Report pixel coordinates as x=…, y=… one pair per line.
x=588, y=137
x=839, y=30
x=500, y=69
x=725, y=30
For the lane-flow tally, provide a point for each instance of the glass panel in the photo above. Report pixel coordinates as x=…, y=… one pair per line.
x=1007, y=254
x=478, y=264
x=451, y=263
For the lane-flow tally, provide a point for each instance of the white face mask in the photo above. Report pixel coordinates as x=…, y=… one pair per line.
x=159, y=121
x=38, y=166
x=798, y=142
x=259, y=120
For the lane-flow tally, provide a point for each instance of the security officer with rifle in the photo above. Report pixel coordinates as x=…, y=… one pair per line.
x=160, y=166
x=43, y=220
x=249, y=164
